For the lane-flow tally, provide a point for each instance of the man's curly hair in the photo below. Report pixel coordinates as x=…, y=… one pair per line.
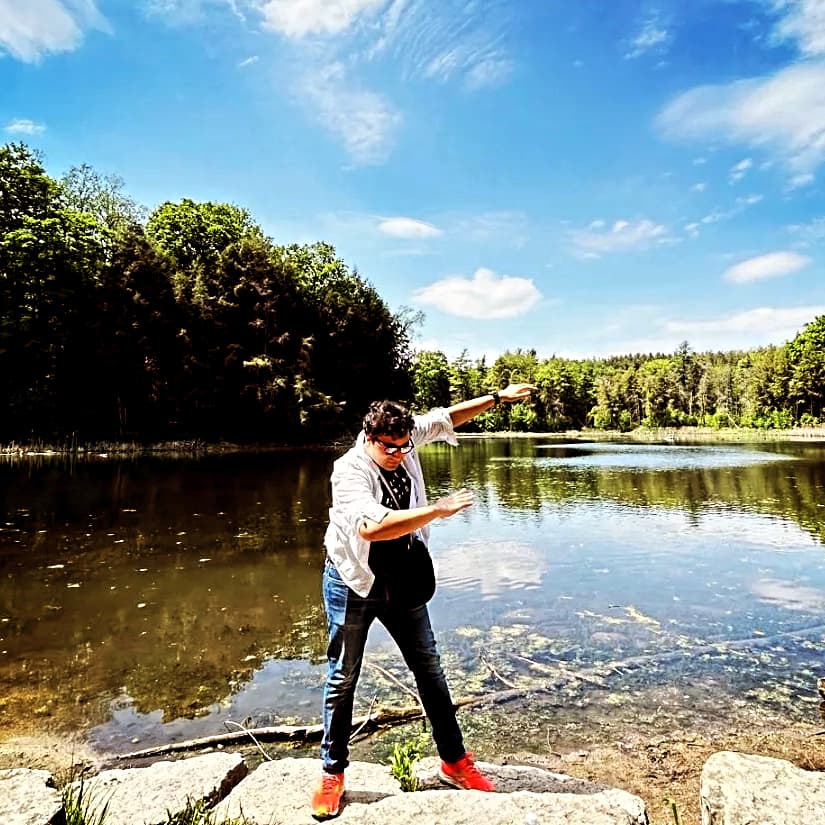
x=388, y=418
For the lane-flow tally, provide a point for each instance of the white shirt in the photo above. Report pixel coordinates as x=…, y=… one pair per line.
x=357, y=493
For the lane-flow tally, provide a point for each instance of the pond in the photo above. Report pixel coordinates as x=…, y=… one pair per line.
x=158, y=599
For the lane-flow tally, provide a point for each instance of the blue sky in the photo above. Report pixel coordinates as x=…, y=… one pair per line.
x=580, y=177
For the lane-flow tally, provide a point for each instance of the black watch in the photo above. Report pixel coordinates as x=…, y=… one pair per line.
x=496, y=398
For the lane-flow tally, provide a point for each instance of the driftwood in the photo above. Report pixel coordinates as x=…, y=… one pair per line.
x=387, y=716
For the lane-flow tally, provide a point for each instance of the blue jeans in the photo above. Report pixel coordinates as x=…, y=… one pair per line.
x=349, y=617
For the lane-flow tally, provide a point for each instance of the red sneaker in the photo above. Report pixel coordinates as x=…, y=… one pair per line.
x=465, y=774
x=327, y=797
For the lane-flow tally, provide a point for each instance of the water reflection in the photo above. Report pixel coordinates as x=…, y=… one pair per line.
x=156, y=599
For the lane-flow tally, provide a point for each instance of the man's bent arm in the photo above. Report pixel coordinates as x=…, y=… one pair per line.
x=399, y=523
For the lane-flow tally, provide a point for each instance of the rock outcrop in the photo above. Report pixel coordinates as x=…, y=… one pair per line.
x=736, y=789
x=29, y=798
x=277, y=793
x=742, y=789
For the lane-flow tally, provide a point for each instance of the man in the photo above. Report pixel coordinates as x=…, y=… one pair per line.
x=378, y=567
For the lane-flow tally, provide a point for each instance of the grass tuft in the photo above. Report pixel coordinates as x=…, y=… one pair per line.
x=402, y=761
x=82, y=807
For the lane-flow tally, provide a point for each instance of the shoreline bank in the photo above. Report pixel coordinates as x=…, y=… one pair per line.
x=197, y=447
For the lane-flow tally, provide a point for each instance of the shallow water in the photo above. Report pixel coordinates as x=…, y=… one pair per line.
x=161, y=599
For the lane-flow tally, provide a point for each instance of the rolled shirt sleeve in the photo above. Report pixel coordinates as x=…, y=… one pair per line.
x=436, y=425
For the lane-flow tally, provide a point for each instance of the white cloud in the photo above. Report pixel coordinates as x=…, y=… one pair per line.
x=484, y=296
x=699, y=187
x=754, y=327
x=783, y=113
x=622, y=236
x=764, y=267
x=803, y=22
x=363, y=120
x=32, y=29
x=23, y=126
x=739, y=170
x=300, y=18
x=248, y=62
x=650, y=37
x=409, y=228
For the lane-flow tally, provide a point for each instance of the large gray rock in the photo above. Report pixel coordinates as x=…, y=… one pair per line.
x=278, y=793
x=146, y=796
x=29, y=798
x=742, y=789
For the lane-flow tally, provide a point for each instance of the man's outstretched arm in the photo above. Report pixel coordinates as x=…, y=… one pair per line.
x=463, y=412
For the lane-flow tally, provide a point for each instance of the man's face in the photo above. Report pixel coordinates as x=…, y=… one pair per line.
x=388, y=451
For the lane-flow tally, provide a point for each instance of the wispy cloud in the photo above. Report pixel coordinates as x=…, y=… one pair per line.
x=32, y=29
x=187, y=12
x=765, y=267
x=408, y=228
x=248, y=62
x=801, y=180
x=764, y=324
x=23, y=126
x=449, y=40
x=302, y=18
x=365, y=121
x=485, y=296
x=718, y=215
x=736, y=330
x=783, y=113
x=802, y=21
x=622, y=236
x=739, y=170
x=502, y=227
x=809, y=233
x=653, y=36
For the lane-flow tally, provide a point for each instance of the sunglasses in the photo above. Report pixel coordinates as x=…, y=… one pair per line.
x=393, y=449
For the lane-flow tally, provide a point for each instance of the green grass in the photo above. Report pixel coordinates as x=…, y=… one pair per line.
x=402, y=761
x=196, y=813
x=82, y=807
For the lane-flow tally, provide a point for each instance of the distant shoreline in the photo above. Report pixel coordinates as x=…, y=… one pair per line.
x=197, y=447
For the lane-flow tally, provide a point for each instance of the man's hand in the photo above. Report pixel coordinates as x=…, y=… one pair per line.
x=451, y=504
x=516, y=392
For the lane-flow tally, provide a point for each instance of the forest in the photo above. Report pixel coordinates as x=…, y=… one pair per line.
x=188, y=323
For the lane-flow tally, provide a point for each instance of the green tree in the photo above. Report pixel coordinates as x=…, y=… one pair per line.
x=806, y=355
x=50, y=263
x=431, y=380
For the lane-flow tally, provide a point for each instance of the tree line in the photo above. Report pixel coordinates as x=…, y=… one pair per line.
x=188, y=322
x=773, y=387
x=184, y=323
